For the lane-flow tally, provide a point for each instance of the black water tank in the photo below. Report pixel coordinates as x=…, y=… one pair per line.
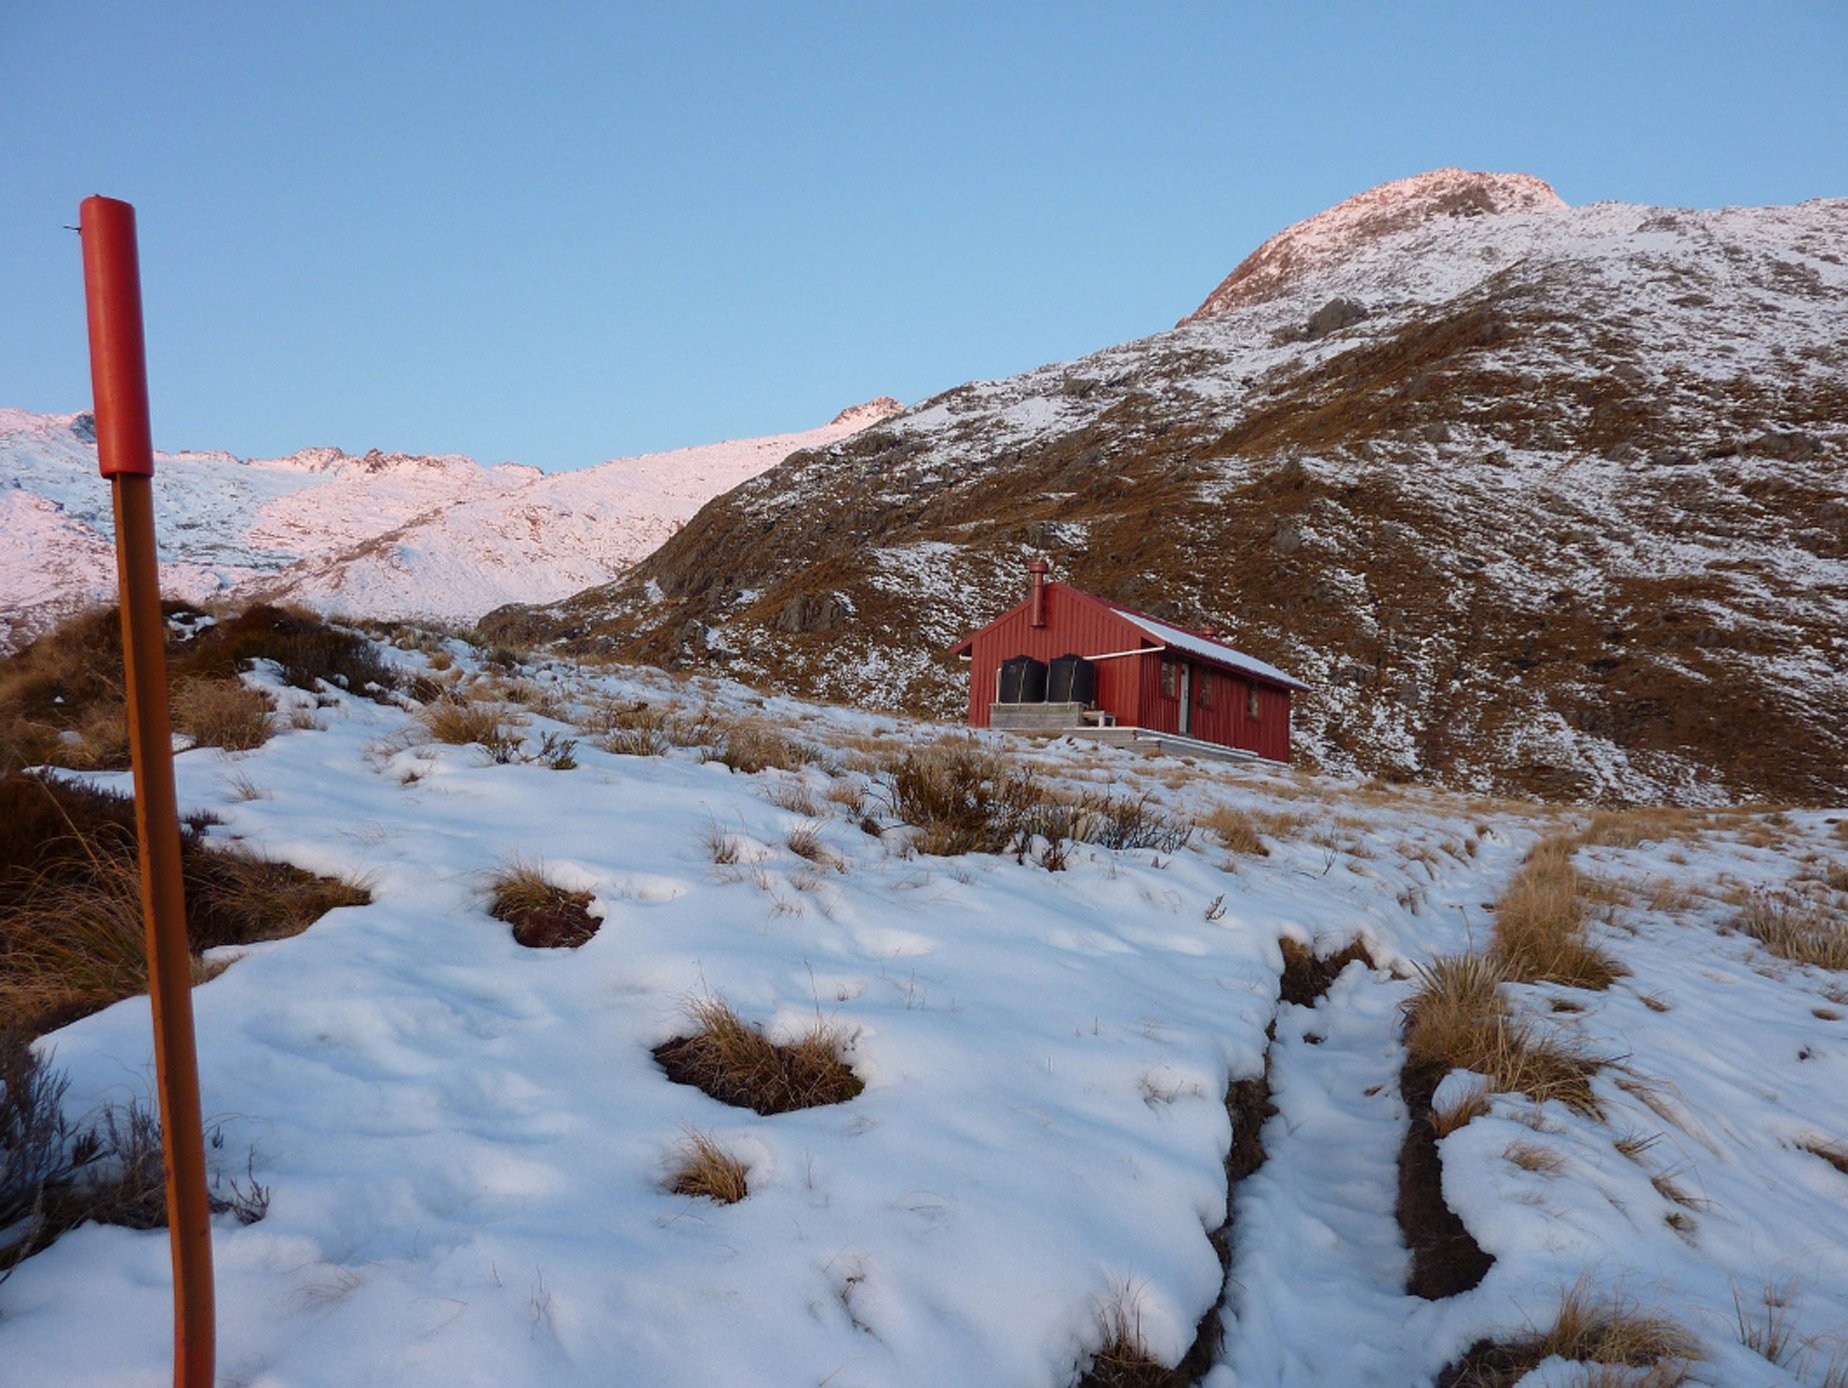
x=1023, y=680
x=1071, y=680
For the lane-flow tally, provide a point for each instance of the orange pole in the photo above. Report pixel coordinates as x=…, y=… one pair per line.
x=118, y=373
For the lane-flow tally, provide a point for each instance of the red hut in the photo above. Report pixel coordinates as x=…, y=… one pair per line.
x=1064, y=660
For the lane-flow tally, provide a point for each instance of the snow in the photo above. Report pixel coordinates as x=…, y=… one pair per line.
x=466, y=1141
x=1207, y=649
x=383, y=535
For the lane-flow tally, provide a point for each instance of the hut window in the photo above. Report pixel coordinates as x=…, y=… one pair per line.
x=1170, y=680
x=1251, y=701
x=1203, y=685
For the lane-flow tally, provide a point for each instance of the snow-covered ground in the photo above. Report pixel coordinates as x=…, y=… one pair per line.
x=466, y=1141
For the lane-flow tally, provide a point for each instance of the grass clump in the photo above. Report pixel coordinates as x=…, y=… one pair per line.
x=1804, y=932
x=1458, y=1019
x=1540, y=924
x=62, y=700
x=56, y=1175
x=543, y=914
x=307, y=651
x=703, y=1168
x=1244, y=830
x=737, y=1064
x=222, y=713
x=1607, y=1334
x=1459, y=1112
x=961, y=799
x=71, y=932
x=750, y=746
x=458, y=721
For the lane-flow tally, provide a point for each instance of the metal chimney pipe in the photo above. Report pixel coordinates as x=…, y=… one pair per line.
x=1036, y=592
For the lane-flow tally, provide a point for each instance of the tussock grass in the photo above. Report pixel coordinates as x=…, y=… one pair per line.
x=637, y=728
x=703, y=1168
x=1123, y=1361
x=1459, y=1112
x=61, y=697
x=750, y=746
x=806, y=842
x=1244, y=830
x=961, y=799
x=307, y=650
x=797, y=798
x=1802, y=931
x=1458, y=1019
x=222, y=713
x=1540, y=924
x=849, y=795
x=459, y=720
x=71, y=932
x=1531, y=1156
x=62, y=703
x=1616, y=1340
x=543, y=914
x=735, y=1063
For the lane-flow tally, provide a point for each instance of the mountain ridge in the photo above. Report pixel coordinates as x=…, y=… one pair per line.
x=380, y=534
x=1543, y=501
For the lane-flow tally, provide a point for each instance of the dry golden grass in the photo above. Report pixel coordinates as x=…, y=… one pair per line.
x=1460, y=1111
x=1122, y=1362
x=1459, y=1020
x=1670, y=1189
x=848, y=794
x=1531, y=1156
x=222, y=713
x=1804, y=931
x=797, y=798
x=71, y=931
x=806, y=842
x=750, y=745
x=459, y=720
x=1633, y=1144
x=703, y=1168
x=1606, y=1334
x=1540, y=924
x=543, y=914
x=1767, y=1323
x=1244, y=830
x=736, y=1063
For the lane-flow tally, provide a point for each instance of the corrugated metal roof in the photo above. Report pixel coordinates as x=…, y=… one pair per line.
x=1208, y=649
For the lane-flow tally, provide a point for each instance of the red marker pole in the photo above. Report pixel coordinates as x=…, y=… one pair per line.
x=124, y=448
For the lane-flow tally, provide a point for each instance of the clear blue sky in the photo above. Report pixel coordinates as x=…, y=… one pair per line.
x=559, y=233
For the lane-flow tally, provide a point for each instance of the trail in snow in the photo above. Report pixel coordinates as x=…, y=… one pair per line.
x=1315, y=1227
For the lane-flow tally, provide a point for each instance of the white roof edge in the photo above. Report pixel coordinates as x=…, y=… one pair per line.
x=1212, y=650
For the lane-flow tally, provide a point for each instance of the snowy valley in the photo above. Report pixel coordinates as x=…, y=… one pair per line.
x=1110, y=1110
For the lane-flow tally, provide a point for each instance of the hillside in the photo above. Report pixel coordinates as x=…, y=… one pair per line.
x=1128, y=1091
x=381, y=535
x=1539, y=499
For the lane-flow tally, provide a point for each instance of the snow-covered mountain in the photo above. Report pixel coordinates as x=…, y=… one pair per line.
x=382, y=535
x=1538, y=498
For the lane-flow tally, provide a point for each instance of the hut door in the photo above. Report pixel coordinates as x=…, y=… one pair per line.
x=1187, y=679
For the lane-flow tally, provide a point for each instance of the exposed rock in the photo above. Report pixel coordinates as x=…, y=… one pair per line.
x=1333, y=316
x=813, y=612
